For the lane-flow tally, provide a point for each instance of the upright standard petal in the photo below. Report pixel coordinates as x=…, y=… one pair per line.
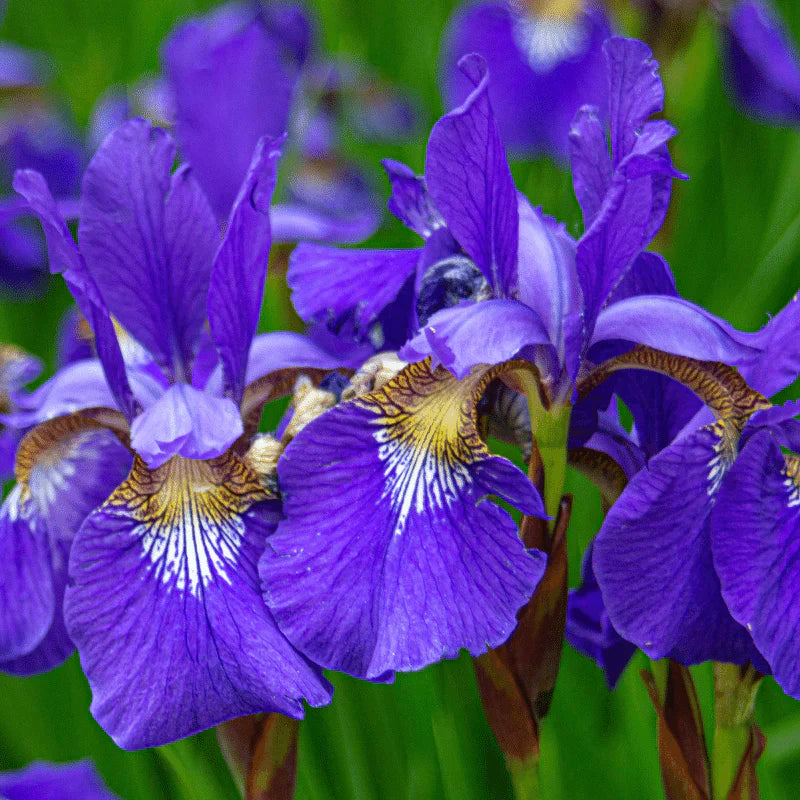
x=165, y=608
x=390, y=556
x=471, y=184
x=240, y=267
x=652, y=557
x=755, y=527
x=148, y=239
x=232, y=79
x=635, y=92
x=65, y=259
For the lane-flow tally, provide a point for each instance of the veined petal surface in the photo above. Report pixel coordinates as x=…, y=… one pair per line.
x=652, y=557
x=391, y=556
x=148, y=238
x=755, y=527
x=27, y=597
x=240, y=267
x=470, y=182
x=166, y=611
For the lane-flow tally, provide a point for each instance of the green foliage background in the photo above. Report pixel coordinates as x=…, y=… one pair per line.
x=733, y=240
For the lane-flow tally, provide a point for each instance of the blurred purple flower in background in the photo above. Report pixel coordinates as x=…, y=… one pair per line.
x=760, y=62
x=546, y=63
x=43, y=781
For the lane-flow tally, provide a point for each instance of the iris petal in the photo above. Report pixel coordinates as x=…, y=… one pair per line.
x=755, y=540
x=390, y=556
x=165, y=607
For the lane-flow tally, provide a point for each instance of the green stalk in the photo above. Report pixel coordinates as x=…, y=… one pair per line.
x=525, y=779
x=549, y=430
x=735, y=691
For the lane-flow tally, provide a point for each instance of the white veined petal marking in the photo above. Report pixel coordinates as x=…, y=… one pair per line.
x=187, y=515
x=427, y=439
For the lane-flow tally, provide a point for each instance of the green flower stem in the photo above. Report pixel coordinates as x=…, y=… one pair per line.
x=525, y=779
x=549, y=430
x=735, y=691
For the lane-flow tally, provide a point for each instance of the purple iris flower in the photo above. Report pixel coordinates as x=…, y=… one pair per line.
x=166, y=518
x=544, y=67
x=43, y=781
x=669, y=557
x=761, y=62
x=246, y=70
x=495, y=283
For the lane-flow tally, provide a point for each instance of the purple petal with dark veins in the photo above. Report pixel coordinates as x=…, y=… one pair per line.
x=488, y=332
x=148, y=239
x=188, y=423
x=590, y=161
x=67, y=474
x=27, y=598
x=470, y=182
x=635, y=91
x=65, y=259
x=165, y=607
x=55, y=647
x=754, y=534
x=42, y=781
x=390, y=556
x=761, y=63
x=652, y=558
x=327, y=281
x=543, y=70
x=410, y=201
x=240, y=267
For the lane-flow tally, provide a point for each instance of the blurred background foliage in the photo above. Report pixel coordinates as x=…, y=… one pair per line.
x=733, y=240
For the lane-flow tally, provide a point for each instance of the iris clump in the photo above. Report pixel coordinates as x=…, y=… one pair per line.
x=205, y=571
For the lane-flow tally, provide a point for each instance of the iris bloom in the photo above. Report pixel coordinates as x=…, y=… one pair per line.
x=163, y=601
x=424, y=576
x=546, y=62
x=761, y=63
x=669, y=558
x=43, y=781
